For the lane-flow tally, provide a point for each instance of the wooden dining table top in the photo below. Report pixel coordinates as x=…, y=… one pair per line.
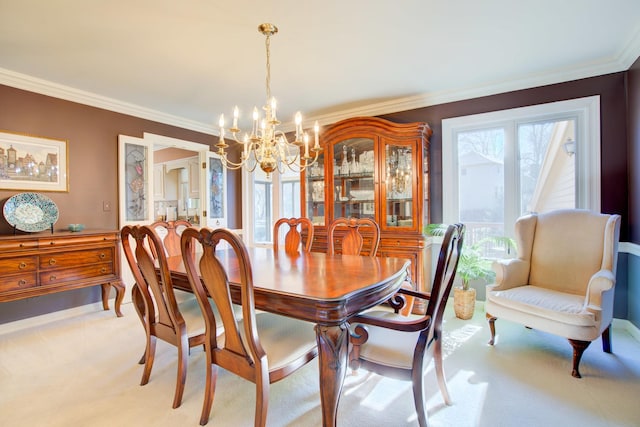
x=317, y=287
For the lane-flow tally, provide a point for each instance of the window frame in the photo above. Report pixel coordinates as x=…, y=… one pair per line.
x=248, y=208
x=586, y=112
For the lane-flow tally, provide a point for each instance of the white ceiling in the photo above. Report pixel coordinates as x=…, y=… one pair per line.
x=185, y=62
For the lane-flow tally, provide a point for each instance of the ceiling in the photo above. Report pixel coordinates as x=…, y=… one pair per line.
x=185, y=62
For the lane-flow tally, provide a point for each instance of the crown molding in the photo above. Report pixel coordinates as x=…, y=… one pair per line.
x=631, y=52
x=626, y=57
x=437, y=98
x=45, y=87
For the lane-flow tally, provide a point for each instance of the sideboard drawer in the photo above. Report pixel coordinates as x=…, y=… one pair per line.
x=16, y=245
x=53, y=277
x=74, y=258
x=18, y=282
x=18, y=264
x=74, y=240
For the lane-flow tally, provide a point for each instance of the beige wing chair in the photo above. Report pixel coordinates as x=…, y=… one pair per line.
x=563, y=280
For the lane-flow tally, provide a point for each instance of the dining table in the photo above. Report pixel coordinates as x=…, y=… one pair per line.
x=316, y=287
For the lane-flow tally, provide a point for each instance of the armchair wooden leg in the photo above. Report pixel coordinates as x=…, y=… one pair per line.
x=418, y=397
x=492, y=328
x=439, y=368
x=578, y=348
x=606, y=340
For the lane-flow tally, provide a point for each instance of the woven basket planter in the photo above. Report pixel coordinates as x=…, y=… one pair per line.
x=464, y=302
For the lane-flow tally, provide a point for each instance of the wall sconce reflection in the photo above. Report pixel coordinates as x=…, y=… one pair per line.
x=570, y=147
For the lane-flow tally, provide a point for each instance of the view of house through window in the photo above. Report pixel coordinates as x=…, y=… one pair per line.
x=496, y=171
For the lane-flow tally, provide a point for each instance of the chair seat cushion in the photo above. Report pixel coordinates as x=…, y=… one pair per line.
x=284, y=339
x=387, y=346
x=546, y=303
x=192, y=315
x=190, y=310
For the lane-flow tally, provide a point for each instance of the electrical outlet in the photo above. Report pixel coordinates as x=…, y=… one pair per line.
x=106, y=206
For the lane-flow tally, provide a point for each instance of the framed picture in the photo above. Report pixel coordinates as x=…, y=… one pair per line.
x=33, y=163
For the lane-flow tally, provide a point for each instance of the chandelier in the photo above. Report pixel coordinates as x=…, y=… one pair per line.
x=267, y=146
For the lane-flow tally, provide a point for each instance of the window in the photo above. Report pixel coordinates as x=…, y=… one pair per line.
x=265, y=200
x=502, y=165
x=262, y=209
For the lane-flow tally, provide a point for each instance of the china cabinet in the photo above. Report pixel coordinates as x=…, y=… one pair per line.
x=373, y=168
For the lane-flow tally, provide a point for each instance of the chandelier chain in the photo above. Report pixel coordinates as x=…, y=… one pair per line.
x=268, y=78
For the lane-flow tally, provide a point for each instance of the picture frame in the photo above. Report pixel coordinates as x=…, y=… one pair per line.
x=33, y=163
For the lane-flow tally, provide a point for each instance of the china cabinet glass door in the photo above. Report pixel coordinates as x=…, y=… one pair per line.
x=353, y=178
x=315, y=197
x=399, y=186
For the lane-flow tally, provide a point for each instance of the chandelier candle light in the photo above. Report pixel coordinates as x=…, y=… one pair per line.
x=266, y=145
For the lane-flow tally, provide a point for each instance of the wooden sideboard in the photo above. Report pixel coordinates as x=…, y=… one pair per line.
x=44, y=263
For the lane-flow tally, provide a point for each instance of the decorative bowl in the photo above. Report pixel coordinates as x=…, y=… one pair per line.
x=76, y=227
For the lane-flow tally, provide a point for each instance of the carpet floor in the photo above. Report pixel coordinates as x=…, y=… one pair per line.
x=80, y=369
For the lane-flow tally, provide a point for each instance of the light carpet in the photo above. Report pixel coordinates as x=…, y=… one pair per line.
x=81, y=370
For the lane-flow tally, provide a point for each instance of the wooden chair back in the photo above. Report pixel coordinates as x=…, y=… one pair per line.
x=169, y=232
x=243, y=349
x=212, y=281
x=444, y=277
x=352, y=242
x=293, y=238
x=155, y=301
x=399, y=345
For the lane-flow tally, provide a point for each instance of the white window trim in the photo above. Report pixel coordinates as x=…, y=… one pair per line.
x=587, y=112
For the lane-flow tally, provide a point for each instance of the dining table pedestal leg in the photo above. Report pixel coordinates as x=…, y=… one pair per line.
x=333, y=344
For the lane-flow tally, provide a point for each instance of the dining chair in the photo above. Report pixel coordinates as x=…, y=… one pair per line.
x=293, y=239
x=397, y=346
x=169, y=232
x=177, y=321
x=352, y=241
x=260, y=347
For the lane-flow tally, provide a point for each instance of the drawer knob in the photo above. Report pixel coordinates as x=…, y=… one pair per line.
x=22, y=282
x=53, y=278
x=52, y=261
x=103, y=270
x=22, y=265
x=102, y=255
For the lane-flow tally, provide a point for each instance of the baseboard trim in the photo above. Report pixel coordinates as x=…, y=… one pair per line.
x=43, y=319
x=627, y=326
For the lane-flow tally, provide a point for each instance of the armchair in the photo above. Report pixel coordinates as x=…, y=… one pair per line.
x=562, y=281
x=401, y=347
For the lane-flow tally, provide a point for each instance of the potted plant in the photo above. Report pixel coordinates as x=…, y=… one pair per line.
x=472, y=265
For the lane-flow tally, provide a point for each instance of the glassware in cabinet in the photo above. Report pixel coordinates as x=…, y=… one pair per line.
x=353, y=178
x=315, y=192
x=399, y=188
